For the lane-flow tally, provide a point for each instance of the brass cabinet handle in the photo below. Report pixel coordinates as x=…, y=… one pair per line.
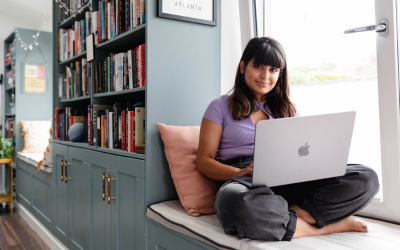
x=65, y=177
x=109, y=189
x=104, y=185
x=62, y=170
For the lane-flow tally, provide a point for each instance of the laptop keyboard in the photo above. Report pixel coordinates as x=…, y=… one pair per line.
x=249, y=180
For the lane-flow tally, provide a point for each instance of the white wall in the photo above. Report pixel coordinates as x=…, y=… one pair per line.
x=231, y=45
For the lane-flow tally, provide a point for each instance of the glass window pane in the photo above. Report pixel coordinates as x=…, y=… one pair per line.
x=330, y=71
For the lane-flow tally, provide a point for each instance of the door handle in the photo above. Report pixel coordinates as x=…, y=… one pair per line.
x=382, y=28
x=104, y=185
x=66, y=178
x=62, y=170
x=109, y=189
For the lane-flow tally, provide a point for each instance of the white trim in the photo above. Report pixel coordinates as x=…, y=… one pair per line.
x=51, y=241
x=246, y=21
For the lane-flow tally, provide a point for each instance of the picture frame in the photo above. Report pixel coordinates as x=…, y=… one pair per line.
x=193, y=11
x=34, y=78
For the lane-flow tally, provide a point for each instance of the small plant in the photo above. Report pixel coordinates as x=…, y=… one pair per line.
x=6, y=147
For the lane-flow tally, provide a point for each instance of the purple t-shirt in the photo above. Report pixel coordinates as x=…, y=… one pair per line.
x=237, y=135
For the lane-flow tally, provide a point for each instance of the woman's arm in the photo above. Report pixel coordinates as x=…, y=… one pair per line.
x=210, y=137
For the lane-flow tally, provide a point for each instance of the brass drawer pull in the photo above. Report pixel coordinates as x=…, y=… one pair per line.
x=109, y=189
x=62, y=170
x=104, y=185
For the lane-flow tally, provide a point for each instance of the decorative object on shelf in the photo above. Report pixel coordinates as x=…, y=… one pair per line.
x=75, y=132
x=34, y=78
x=194, y=11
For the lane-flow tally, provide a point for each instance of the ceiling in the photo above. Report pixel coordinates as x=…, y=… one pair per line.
x=28, y=11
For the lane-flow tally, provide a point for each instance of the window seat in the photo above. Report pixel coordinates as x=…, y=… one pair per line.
x=33, y=159
x=208, y=229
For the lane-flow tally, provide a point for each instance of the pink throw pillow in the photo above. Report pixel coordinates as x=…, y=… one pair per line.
x=196, y=191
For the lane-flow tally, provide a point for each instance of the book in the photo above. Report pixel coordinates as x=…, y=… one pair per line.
x=123, y=135
x=139, y=125
x=103, y=134
x=117, y=114
x=110, y=130
x=96, y=108
x=89, y=123
x=95, y=27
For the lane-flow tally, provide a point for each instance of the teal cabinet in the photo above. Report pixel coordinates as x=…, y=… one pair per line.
x=61, y=198
x=79, y=199
x=119, y=217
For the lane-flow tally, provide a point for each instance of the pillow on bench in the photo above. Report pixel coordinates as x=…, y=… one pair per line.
x=37, y=139
x=196, y=191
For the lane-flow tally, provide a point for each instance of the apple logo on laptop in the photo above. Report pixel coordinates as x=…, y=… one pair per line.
x=303, y=150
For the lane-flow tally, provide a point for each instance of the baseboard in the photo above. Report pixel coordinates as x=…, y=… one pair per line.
x=51, y=241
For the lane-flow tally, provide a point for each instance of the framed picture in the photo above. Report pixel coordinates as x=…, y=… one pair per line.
x=34, y=78
x=194, y=11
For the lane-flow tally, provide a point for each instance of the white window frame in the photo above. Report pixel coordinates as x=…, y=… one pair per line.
x=388, y=56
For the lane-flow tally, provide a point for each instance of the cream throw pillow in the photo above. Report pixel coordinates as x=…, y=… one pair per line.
x=36, y=135
x=47, y=155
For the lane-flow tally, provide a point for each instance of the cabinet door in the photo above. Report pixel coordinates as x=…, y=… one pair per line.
x=127, y=211
x=61, y=200
x=77, y=171
x=99, y=213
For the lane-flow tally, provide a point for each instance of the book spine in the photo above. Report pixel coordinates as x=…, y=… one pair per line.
x=109, y=18
x=106, y=17
x=100, y=21
x=110, y=130
x=128, y=131
x=90, y=125
x=130, y=69
x=127, y=22
x=121, y=16
x=105, y=86
x=103, y=141
x=106, y=128
x=139, y=125
x=56, y=122
x=133, y=131
x=108, y=74
x=124, y=69
x=143, y=65
x=138, y=63
x=95, y=132
x=123, y=130
x=115, y=126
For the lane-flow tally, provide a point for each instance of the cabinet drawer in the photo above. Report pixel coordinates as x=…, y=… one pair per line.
x=126, y=165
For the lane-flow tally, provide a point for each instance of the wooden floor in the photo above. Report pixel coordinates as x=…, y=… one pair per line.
x=16, y=234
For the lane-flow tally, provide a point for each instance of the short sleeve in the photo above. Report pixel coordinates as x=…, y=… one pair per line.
x=215, y=111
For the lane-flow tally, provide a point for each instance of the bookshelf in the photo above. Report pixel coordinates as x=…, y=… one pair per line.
x=26, y=106
x=8, y=89
x=182, y=78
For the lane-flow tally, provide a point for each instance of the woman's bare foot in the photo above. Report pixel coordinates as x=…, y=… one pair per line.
x=303, y=214
x=304, y=229
x=347, y=225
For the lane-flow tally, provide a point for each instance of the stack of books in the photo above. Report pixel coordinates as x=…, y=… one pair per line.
x=121, y=71
x=76, y=81
x=115, y=17
x=10, y=53
x=117, y=126
x=72, y=41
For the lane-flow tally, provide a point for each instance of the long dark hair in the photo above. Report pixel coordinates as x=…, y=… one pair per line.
x=264, y=51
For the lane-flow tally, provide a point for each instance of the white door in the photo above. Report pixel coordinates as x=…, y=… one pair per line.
x=331, y=71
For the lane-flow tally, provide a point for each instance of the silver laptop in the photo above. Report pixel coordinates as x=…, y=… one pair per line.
x=299, y=149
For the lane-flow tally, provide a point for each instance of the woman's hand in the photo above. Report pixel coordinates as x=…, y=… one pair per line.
x=246, y=171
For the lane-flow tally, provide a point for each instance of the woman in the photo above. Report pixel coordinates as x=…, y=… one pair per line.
x=320, y=207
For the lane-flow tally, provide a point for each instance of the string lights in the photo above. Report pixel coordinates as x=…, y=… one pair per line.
x=35, y=37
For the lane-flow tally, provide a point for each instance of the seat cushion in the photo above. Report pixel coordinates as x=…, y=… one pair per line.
x=196, y=191
x=208, y=229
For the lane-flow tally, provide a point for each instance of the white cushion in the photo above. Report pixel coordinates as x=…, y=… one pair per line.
x=208, y=229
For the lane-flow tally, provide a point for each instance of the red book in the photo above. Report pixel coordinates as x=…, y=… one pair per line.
x=133, y=131
x=143, y=47
x=123, y=130
x=103, y=141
